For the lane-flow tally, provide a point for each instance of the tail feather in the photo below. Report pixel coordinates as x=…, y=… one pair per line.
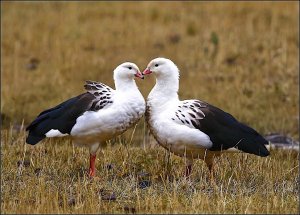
x=61, y=117
x=37, y=129
x=254, y=145
x=32, y=140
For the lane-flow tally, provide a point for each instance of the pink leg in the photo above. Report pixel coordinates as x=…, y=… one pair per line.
x=92, y=165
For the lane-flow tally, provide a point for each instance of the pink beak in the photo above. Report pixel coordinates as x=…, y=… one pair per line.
x=147, y=71
x=139, y=75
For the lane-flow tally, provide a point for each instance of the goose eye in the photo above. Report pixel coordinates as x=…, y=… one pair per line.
x=130, y=67
x=156, y=65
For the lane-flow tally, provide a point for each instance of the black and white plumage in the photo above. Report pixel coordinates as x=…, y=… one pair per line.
x=59, y=120
x=193, y=128
x=209, y=119
x=95, y=116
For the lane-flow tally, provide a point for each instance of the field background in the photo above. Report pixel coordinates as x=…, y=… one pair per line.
x=239, y=56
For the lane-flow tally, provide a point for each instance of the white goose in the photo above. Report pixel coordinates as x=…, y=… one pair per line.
x=95, y=116
x=193, y=128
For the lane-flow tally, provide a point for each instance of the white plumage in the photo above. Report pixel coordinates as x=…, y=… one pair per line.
x=96, y=116
x=193, y=128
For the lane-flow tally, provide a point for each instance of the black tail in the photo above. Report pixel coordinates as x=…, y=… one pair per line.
x=32, y=140
x=252, y=142
x=226, y=132
x=37, y=129
x=254, y=145
x=61, y=117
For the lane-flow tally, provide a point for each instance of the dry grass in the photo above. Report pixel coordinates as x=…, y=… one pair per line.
x=241, y=56
x=54, y=181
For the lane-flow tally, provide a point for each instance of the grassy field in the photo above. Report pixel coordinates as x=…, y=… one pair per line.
x=239, y=56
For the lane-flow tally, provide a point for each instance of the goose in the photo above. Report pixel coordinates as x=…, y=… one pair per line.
x=93, y=117
x=193, y=128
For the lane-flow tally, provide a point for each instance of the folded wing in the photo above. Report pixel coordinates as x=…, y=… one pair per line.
x=63, y=116
x=222, y=128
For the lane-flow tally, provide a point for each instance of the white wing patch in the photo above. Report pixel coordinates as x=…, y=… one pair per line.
x=189, y=113
x=103, y=93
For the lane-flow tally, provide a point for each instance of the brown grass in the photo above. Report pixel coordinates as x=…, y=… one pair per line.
x=239, y=56
x=54, y=181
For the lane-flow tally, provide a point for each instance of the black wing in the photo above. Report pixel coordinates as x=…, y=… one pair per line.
x=223, y=129
x=63, y=116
